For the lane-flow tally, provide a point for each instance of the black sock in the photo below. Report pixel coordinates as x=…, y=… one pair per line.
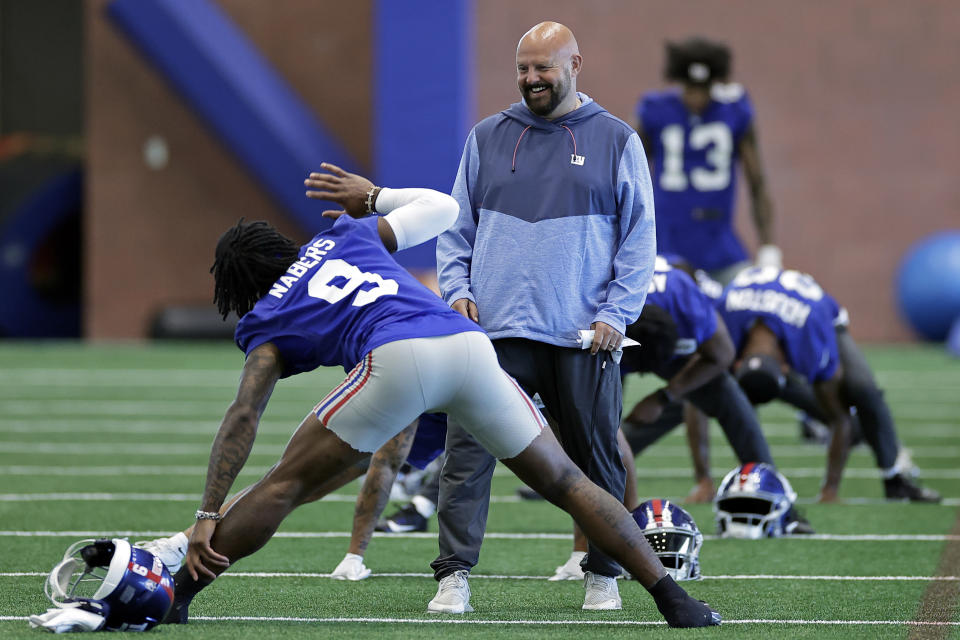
x=678, y=608
x=184, y=589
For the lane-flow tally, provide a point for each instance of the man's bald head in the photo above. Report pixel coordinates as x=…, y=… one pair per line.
x=550, y=35
x=548, y=62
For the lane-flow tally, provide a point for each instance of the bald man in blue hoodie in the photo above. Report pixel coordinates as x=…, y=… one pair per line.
x=555, y=235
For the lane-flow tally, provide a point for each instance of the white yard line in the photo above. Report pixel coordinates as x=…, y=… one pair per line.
x=333, y=497
x=63, y=447
x=607, y=623
x=664, y=473
x=480, y=576
x=891, y=537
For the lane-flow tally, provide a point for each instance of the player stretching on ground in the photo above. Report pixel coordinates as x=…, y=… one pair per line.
x=342, y=300
x=782, y=321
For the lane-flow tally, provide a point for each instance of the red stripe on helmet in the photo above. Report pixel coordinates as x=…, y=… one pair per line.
x=154, y=577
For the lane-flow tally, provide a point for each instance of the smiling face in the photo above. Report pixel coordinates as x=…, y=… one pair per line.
x=547, y=66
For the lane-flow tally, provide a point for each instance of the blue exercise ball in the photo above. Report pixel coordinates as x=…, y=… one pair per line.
x=928, y=285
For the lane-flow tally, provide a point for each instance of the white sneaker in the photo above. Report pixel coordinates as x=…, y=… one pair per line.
x=602, y=593
x=453, y=594
x=171, y=551
x=569, y=570
x=351, y=568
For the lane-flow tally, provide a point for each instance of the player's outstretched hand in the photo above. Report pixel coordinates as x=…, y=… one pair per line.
x=828, y=495
x=702, y=492
x=349, y=190
x=200, y=555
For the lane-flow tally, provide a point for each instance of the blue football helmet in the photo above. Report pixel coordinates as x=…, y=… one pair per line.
x=132, y=585
x=753, y=502
x=674, y=536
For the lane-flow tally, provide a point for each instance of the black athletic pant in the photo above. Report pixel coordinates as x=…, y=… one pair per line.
x=720, y=398
x=859, y=390
x=583, y=393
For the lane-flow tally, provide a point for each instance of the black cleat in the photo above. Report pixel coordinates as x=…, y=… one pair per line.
x=797, y=525
x=679, y=609
x=405, y=520
x=900, y=487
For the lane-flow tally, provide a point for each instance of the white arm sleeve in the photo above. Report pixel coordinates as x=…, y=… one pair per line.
x=416, y=215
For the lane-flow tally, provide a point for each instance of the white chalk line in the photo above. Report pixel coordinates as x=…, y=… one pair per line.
x=480, y=576
x=607, y=623
x=835, y=537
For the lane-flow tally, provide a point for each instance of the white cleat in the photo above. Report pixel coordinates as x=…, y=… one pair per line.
x=453, y=594
x=602, y=593
x=569, y=570
x=351, y=568
x=171, y=551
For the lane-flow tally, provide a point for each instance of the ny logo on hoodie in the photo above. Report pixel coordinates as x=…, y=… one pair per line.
x=577, y=160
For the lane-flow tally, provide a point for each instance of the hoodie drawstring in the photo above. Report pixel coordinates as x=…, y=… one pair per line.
x=513, y=167
x=571, y=137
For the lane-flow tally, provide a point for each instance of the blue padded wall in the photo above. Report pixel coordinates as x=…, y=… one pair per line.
x=424, y=97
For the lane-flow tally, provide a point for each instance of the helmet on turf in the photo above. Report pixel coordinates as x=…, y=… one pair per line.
x=674, y=536
x=753, y=502
x=132, y=584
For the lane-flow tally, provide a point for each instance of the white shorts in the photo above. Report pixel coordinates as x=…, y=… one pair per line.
x=456, y=374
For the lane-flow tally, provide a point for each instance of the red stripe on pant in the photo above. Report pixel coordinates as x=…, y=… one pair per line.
x=366, y=376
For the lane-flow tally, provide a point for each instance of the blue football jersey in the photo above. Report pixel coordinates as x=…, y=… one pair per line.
x=792, y=305
x=695, y=173
x=342, y=298
x=429, y=441
x=692, y=311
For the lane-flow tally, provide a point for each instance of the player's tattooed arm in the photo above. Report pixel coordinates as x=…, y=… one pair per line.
x=375, y=492
x=234, y=440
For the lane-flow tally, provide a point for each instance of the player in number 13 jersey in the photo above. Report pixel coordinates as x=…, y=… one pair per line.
x=695, y=137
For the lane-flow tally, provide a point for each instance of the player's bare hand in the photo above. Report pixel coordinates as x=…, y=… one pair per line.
x=702, y=492
x=200, y=555
x=349, y=190
x=605, y=338
x=647, y=410
x=466, y=308
x=828, y=495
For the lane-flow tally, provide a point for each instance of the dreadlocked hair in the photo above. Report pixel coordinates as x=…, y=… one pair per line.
x=684, y=58
x=656, y=332
x=249, y=258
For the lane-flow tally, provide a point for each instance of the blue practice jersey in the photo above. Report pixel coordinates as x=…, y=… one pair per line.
x=792, y=305
x=429, y=441
x=695, y=173
x=342, y=298
x=693, y=312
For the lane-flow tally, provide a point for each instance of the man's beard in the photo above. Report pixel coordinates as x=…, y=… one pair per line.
x=557, y=93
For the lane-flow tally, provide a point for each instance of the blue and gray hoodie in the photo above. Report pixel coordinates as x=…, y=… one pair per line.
x=556, y=225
